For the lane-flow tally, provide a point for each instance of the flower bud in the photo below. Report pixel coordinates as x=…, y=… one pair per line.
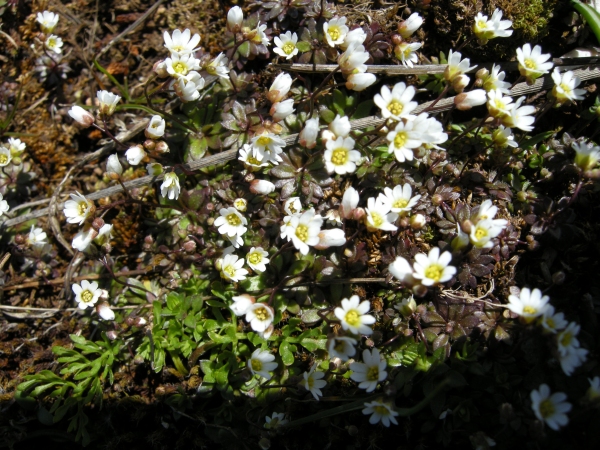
x=235, y=16
x=292, y=206
x=135, y=155
x=154, y=169
x=160, y=69
x=349, y=203
x=112, y=335
x=331, y=238
x=308, y=135
x=469, y=99
x=114, y=169
x=281, y=110
x=81, y=116
x=407, y=306
x=263, y=187
x=280, y=88
x=360, y=81
x=417, y=221
x=460, y=82
x=410, y=25
x=241, y=204
x=155, y=128
x=149, y=144
x=98, y=223
x=105, y=312
x=162, y=147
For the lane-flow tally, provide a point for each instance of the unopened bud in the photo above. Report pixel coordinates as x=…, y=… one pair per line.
x=263, y=187
x=149, y=144
x=469, y=99
x=98, y=223
x=460, y=82
x=189, y=246
x=161, y=147
x=417, y=221
x=437, y=199
x=160, y=69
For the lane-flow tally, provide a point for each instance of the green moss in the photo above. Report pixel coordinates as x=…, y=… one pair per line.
x=530, y=17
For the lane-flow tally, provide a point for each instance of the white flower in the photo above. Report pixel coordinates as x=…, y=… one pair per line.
x=241, y=204
x=155, y=128
x=113, y=166
x=170, y=186
x=456, y=67
x=567, y=339
x=482, y=234
x=83, y=239
x=353, y=315
x=259, y=36
x=281, y=110
x=37, y=237
x=5, y=157
x=360, y=81
x=16, y=147
x=574, y=358
x=486, y=29
x=313, y=382
x=104, y=234
x=135, y=155
x=353, y=60
x=349, y=203
x=532, y=63
x=275, y=421
x=487, y=210
x=303, y=230
x=396, y=103
x=402, y=270
x=286, y=45
x=340, y=156
x=105, y=312
x=498, y=105
x=370, y=372
x=335, y=237
x=231, y=268
x=235, y=16
x=231, y=223
x=342, y=347
x=280, y=87
x=340, y=126
x=81, y=116
x=310, y=132
x=262, y=362
x=259, y=316
x=550, y=408
x=263, y=187
x=380, y=412
x=3, y=205
x=107, y=102
x=292, y=206
x=86, y=294
x=335, y=31
x=154, y=169
x=403, y=139
x=433, y=268
x=564, y=90
x=47, y=21
x=188, y=88
x=78, y=208
x=218, y=67
x=519, y=116
x=586, y=155
x=553, y=322
x=529, y=304
x=406, y=52
x=257, y=259
x=400, y=198
x=356, y=36
x=407, y=306
x=267, y=147
x=54, y=43
x=181, y=65
x=494, y=80
x=432, y=131
x=410, y=25
x=467, y=100
x=181, y=43
x=250, y=161
x=379, y=216
x=503, y=137
x=241, y=303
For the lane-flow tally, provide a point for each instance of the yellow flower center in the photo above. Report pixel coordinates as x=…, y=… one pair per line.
x=353, y=318
x=255, y=258
x=434, y=272
x=334, y=33
x=339, y=156
x=263, y=141
x=292, y=209
x=530, y=64
x=256, y=365
x=376, y=219
x=395, y=107
x=339, y=345
x=566, y=88
x=302, y=232
x=550, y=322
x=547, y=408
x=381, y=410
x=310, y=382
x=400, y=203
x=262, y=314
x=481, y=25
x=480, y=233
x=373, y=373
x=180, y=67
x=229, y=271
x=233, y=220
x=51, y=42
x=565, y=339
x=87, y=296
x=400, y=138
x=3, y=159
x=288, y=48
x=529, y=309
x=81, y=208
x=252, y=160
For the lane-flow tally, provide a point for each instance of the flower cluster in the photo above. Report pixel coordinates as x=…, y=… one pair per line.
x=404, y=49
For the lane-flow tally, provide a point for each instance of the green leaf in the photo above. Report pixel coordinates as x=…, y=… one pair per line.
x=313, y=344
x=303, y=46
x=591, y=16
x=287, y=356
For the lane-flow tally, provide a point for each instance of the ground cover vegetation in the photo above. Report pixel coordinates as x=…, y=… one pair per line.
x=299, y=224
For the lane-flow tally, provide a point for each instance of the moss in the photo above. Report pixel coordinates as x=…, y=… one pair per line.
x=530, y=17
